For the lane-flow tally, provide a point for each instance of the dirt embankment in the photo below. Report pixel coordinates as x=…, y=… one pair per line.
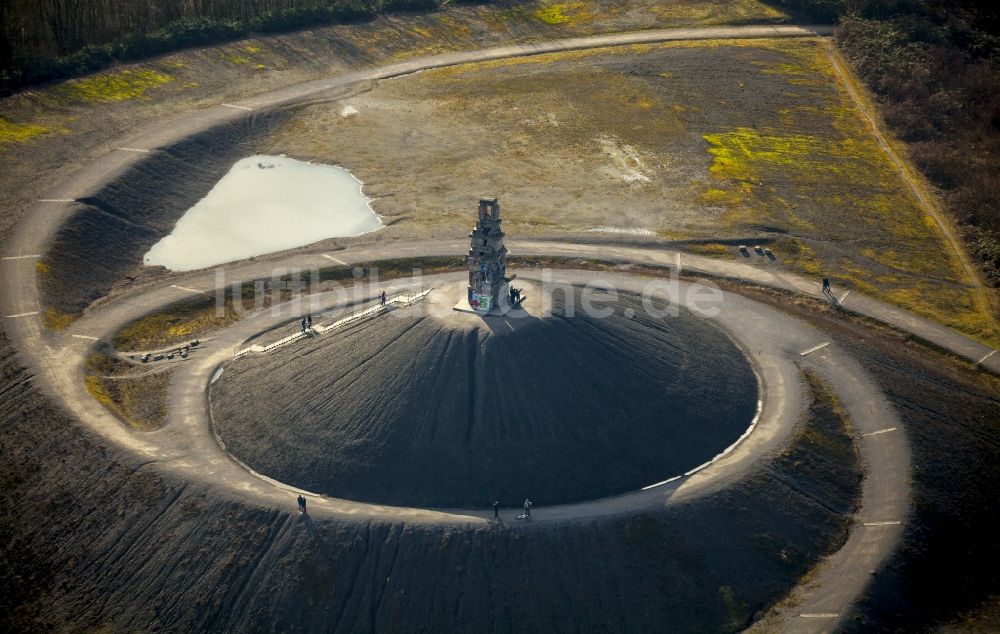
x=103, y=242
x=136, y=394
x=950, y=560
x=93, y=539
x=947, y=568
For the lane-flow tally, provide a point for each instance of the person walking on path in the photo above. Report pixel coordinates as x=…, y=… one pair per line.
x=302, y=505
x=303, y=324
x=828, y=293
x=527, y=508
x=496, y=509
x=383, y=298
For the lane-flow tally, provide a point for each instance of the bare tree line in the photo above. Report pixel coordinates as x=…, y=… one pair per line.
x=48, y=29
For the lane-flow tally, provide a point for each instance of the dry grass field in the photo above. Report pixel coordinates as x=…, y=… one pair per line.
x=692, y=140
x=687, y=140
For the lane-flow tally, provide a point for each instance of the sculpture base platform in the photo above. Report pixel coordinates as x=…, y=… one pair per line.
x=448, y=303
x=463, y=307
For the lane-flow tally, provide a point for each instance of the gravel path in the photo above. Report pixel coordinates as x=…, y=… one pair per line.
x=775, y=343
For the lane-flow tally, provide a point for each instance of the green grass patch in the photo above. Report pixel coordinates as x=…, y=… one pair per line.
x=177, y=323
x=835, y=189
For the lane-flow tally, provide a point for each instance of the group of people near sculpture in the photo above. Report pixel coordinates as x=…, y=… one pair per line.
x=515, y=296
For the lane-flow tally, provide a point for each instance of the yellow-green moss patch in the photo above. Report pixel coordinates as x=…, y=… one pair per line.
x=136, y=394
x=561, y=12
x=114, y=86
x=57, y=320
x=11, y=132
x=174, y=324
x=711, y=249
x=838, y=189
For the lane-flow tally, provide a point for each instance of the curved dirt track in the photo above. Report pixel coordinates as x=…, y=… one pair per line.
x=186, y=446
x=779, y=376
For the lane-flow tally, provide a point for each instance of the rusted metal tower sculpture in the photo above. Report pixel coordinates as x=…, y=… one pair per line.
x=487, y=259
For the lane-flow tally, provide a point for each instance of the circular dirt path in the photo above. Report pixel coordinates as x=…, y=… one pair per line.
x=773, y=341
x=186, y=446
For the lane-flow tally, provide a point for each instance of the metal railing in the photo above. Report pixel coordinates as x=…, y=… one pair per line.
x=400, y=300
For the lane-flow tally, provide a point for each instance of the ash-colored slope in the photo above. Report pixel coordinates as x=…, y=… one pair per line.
x=405, y=410
x=94, y=539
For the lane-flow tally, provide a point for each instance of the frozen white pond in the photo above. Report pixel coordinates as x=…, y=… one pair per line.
x=266, y=204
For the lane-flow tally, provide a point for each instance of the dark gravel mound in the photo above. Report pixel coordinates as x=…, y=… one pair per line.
x=97, y=539
x=404, y=410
